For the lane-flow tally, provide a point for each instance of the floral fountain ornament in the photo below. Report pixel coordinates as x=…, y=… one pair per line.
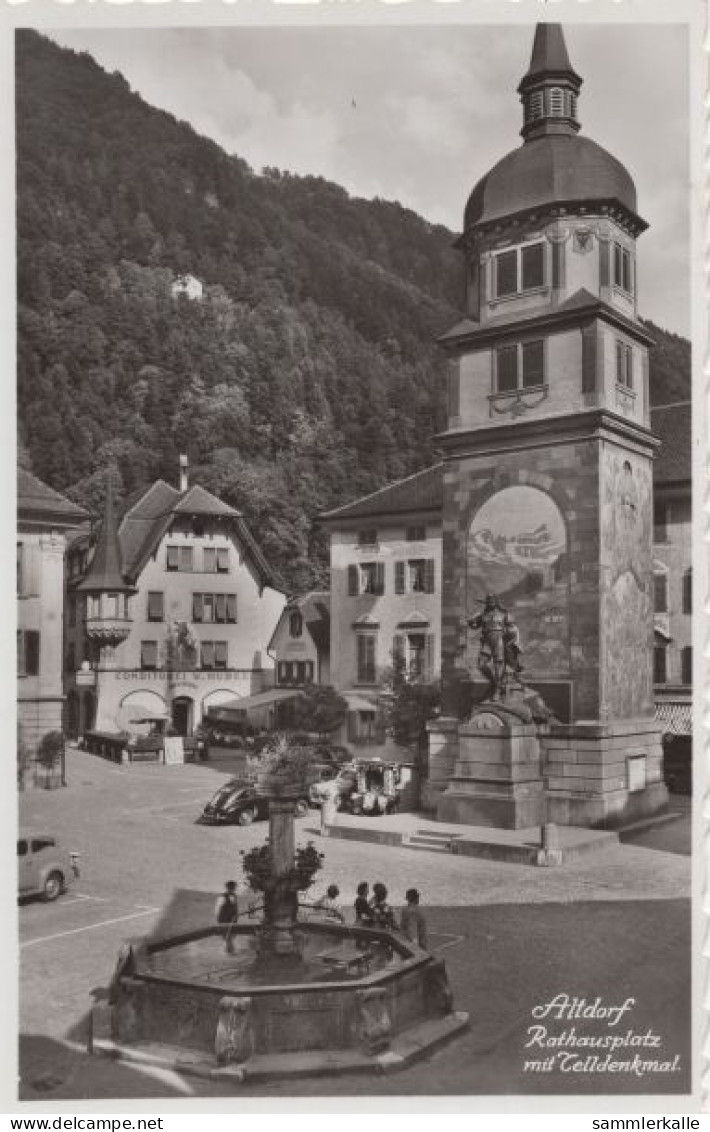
x=277, y=869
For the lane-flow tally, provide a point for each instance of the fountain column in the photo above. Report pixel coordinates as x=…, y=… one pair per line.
x=278, y=935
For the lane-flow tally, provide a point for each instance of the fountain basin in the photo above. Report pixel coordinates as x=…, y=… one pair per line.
x=353, y=999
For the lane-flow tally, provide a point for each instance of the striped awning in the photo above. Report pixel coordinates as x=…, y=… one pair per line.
x=676, y=717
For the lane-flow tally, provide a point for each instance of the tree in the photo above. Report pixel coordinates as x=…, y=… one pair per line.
x=408, y=708
x=319, y=708
x=50, y=754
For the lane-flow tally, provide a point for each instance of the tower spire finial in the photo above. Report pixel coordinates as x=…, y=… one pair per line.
x=550, y=87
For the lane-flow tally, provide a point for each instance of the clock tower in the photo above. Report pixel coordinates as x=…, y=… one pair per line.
x=547, y=470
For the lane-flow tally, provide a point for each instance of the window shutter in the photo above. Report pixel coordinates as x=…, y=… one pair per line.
x=686, y=665
x=361, y=657
x=31, y=571
x=186, y=558
x=31, y=652
x=231, y=607
x=429, y=576
x=430, y=657
x=371, y=667
x=688, y=591
x=220, y=654
x=379, y=578
x=223, y=559
x=197, y=607
x=399, y=586
x=171, y=558
x=604, y=263
x=353, y=581
x=207, y=654
x=220, y=607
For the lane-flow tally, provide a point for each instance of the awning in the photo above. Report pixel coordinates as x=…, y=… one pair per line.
x=248, y=703
x=676, y=717
x=358, y=703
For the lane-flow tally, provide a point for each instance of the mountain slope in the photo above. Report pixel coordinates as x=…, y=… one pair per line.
x=305, y=375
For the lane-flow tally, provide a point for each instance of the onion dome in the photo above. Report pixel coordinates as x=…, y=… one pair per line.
x=554, y=166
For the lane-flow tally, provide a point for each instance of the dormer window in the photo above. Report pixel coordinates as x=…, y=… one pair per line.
x=295, y=624
x=520, y=269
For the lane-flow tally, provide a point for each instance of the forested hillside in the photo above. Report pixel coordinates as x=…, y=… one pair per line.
x=305, y=375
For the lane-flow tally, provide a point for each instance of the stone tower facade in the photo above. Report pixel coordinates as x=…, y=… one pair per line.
x=548, y=456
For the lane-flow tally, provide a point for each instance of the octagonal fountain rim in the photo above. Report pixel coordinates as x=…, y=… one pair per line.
x=411, y=958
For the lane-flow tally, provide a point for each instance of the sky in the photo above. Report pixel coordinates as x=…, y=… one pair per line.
x=419, y=114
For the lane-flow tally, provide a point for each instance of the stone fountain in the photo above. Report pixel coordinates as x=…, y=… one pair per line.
x=293, y=997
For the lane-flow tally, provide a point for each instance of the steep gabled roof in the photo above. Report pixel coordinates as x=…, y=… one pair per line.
x=421, y=492
x=37, y=500
x=315, y=609
x=672, y=425
x=148, y=517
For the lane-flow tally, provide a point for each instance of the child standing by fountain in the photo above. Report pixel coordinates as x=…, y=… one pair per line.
x=413, y=923
x=227, y=911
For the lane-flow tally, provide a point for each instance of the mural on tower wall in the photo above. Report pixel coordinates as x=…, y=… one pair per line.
x=626, y=597
x=517, y=549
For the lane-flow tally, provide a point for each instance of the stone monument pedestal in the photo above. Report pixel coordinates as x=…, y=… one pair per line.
x=497, y=779
x=603, y=774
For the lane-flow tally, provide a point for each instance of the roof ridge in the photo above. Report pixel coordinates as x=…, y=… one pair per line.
x=387, y=487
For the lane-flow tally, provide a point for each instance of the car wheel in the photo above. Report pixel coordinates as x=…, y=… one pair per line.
x=53, y=886
x=301, y=807
x=246, y=817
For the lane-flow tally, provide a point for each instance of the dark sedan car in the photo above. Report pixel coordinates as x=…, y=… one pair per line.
x=240, y=802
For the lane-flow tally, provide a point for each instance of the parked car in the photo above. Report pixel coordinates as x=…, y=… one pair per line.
x=346, y=781
x=44, y=868
x=239, y=801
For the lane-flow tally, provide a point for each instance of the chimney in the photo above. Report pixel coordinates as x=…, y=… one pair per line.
x=184, y=465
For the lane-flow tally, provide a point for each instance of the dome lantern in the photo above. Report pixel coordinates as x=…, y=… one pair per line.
x=549, y=89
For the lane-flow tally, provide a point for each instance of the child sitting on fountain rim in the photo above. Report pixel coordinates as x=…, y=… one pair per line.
x=329, y=904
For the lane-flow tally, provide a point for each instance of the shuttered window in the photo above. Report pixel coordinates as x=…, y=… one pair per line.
x=207, y=654
x=399, y=578
x=149, y=654
x=156, y=606
x=231, y=607
x=28, y=652
x=220, y=654
x=366, y=651
x=223, y=559
x=210, y=608
x=209, y=560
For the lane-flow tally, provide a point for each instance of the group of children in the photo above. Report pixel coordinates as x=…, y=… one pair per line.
x=374, y=912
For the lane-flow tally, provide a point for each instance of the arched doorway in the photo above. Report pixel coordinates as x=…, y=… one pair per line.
x=182, y=715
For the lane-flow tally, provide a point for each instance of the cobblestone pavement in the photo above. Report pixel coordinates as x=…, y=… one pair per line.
x=135, y=829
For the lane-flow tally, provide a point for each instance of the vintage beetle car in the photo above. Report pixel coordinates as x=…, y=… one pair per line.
x=240, y=800
x=44, y=868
